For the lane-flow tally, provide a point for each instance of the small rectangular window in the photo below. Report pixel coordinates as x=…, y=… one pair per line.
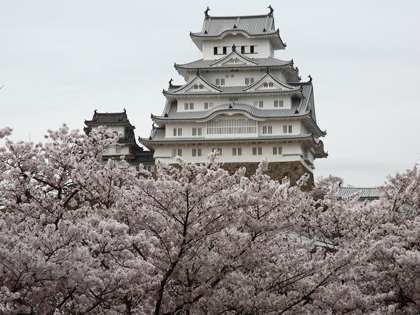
x=217, y=81
x=206, y=105
x=194, y=152
x=199, y=131
x=259, y=151
x=199, y=152
x=191, y=105
x=201, y=86
x=246, y=81
x=252, y=50
x=179, y=152
x=278, y=103
x=239, y=151
x=222, y=81
x=284, y=129
x=290, y=129
x=260, y=104
x=215, y=50
x=277, y=150
x=233, y=99
x=242, y=49
x=255, y=103
x=194, y=131
x=195, y=87
x=224, y=50
x=266, y=84
x=211, y=104
x=220, y=151
x=174, y=132
x=186, y=106
x=251, y=80
x=179, y=131
x=254, y=151
x=267, y=130
x=233, y=151
x=232, y=75
x=270, y=84
x=227, y=75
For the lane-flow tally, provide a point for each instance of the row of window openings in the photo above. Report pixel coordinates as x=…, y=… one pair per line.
x=223, y=50
x=260, y=104
x=190, y=106
x=248, y=81
x=267, y=130
x=235, y=151
x=195, y=132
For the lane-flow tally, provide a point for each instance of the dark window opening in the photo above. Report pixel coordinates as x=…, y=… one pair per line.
x=252, y=49
x=215, y=50
x=242, y=49
x=224, y=50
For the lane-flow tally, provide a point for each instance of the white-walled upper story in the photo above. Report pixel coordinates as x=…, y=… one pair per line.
x=250, y=47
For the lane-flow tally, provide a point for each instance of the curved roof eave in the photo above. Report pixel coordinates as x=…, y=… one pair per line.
x=224, y=94
x=218, y=111
x=303, y=137
x=272, y=34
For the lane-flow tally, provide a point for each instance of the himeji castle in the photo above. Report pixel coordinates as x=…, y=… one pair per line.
x=241, y=101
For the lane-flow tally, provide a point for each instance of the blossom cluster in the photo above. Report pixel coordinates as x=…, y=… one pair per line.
x=80, y=236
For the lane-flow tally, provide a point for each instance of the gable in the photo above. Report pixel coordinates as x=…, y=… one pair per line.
x=269, y=85
x=198, y=87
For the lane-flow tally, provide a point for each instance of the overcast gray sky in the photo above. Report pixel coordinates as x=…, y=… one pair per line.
x=61, y=60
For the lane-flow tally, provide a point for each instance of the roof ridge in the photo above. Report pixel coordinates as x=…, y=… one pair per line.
x=240, y=16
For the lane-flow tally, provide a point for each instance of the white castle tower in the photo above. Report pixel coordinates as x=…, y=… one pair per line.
x=240, y=100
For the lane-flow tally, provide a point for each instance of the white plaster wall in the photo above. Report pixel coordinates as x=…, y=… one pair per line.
x=291, y=151
x=262, y=49
x=268, y=102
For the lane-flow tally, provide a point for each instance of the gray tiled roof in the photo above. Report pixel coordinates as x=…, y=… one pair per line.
x=252, y=110
x=365, y=192
x=299, y=109
x=108, y=119
x=255, y=25
x=301, y=105
x=260, y=63
x=230, y=90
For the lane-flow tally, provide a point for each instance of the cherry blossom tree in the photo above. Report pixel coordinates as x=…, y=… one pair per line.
x=78, y=236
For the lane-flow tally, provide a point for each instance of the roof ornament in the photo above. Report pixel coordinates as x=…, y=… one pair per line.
x=124, y=110
x=271, y=10
x=268, y=70
x=198, y=72
x=170, y=83
x=207, y=13
x=153, y=126
x=310, y=78
x=233, y=47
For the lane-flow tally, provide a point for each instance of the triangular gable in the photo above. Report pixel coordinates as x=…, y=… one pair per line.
x=234, y=58
x=198, y=84
x=270, y=82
